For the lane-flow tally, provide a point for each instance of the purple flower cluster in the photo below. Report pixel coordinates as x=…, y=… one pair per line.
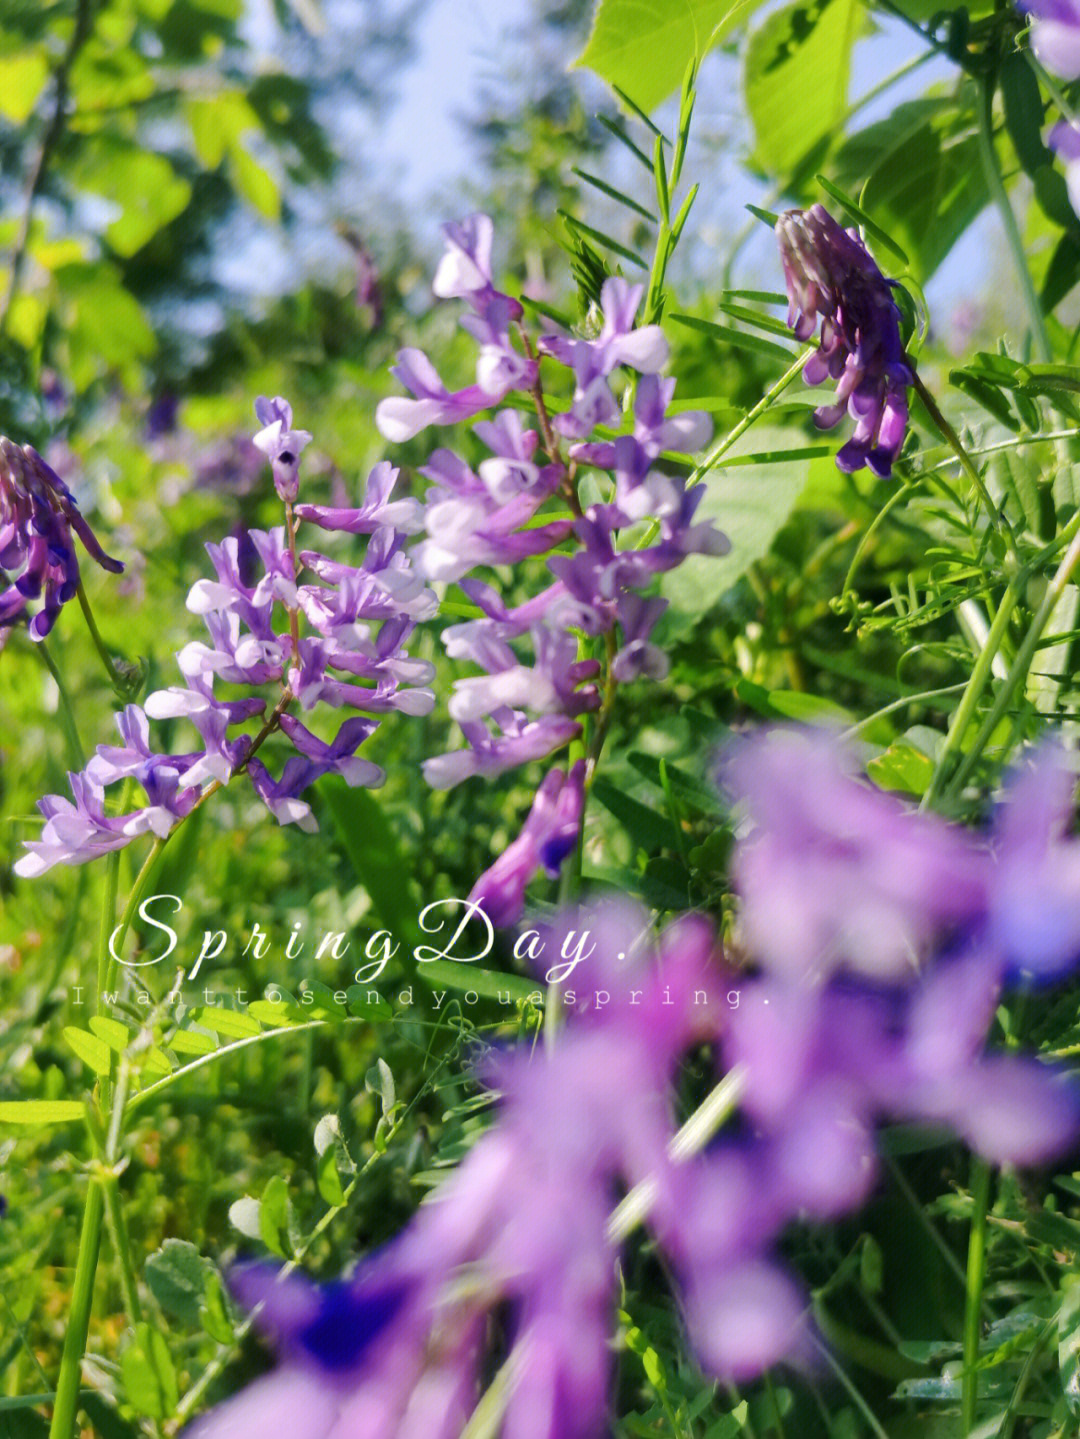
x=518, y=709
x=829, y=1039
x=829, y=272
x=37, y=552
x=337, y=640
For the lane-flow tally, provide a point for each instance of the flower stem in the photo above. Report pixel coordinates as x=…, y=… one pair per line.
x=71, y=733
x=70, y=1379
x=115, y=678
x=1018, y=671
x=766, y=402
x=976, y=1274
x=952, y=439
x=977, y=682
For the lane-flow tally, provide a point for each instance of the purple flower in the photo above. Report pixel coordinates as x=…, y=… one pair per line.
x=1055, y=36
x=1064, y=140
x=1033, y=894
x=37, y=516
x=830, y=272
x=281, y=444
x=549, y=834
x=837, y=875
x=376, y=509
x=519, y=741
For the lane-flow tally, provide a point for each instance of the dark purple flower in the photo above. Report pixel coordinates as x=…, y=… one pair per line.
x=37, y=516
x=549, y=834
x=830, y=272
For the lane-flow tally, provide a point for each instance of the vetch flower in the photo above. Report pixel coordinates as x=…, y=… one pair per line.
x=1055, y=36
x=277, y=639
x=1064, y=140
x=830, y=272
x=37, y=516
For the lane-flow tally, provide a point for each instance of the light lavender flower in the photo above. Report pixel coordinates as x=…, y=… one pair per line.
x=357, y=620
x=1055, y=35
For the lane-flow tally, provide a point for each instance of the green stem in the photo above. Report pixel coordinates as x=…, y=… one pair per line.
x=129, y=910
x=115, y=678
x=70, y=1380
x=977, y=682
x=71, y=732
x=1018, y=671
x=119, y=1237
x=976, y=1274
x=766, y=402
x=996, y=186
x=952, y=439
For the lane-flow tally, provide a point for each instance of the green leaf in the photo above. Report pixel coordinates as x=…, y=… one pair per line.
x=1069, y=1346
x=116, y=1035
x=274, y=1217
x=727, y=334
x=375, y=856
x=902, y=768
x=1062, y=272
x=149, y=1375
x=648, y=828
x=644, y=46
x=176, y=1276
x=488, y=983
x=750, y=504
x=230, y=1022
x=797, y=70
x=1024, y=110
x=859, y=215
x=41, y=1111
x=255, y=183
x=93, y=1052
x=22, y=79
x=214, y=1315
x=328, y=1179
x=920, y=176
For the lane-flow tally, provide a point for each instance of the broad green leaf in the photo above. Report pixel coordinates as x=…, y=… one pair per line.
x=143, y=185
x=116, y=1035
x=376, y=857
x=328, y=1179
x=93, y=1052
x=903, y=768
x=920, y=177
x=190, y=1041
x=22, y=79
x=797, y=70
x=750, y=503
x=104, y=325
x=649, y=828
x=176, y=1276
x=149, y=1374
x=40, y=1111
x=645, y=46
x=214, y=1315
x=254, y=182
x=488, y=983
x=274, y=1217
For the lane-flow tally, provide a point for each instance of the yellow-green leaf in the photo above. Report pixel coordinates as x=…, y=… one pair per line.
x=40, y=1111
x=93, y=1051
x=22, y=79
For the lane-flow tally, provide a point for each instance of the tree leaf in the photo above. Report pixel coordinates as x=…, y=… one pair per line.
x=797, y=70
x=644, y=46
x=22, y=79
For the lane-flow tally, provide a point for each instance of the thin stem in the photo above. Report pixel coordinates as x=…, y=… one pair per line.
x=71, y=732
x=1018, y=671
x=49, y=141
x=118, y=1235
x=952, y=439
x=996, y=186
x=69, y=1383
x=115, y=678
x=767, y=400
x=980, y=675
x=117, y=947
x=976, y=1274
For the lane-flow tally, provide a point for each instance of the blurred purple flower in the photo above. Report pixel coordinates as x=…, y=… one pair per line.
x=830, y=272
x=1055, y=36
x=1064, y=140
